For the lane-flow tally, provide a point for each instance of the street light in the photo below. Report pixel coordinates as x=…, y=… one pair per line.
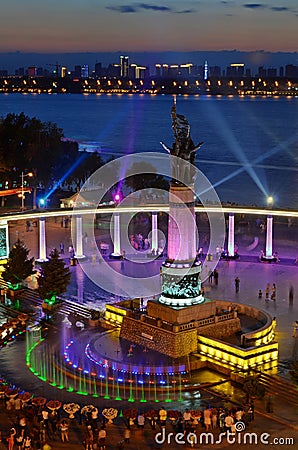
x=270, y=201
x=29, y=174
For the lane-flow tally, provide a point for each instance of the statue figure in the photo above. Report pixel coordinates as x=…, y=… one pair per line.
x=183, y=147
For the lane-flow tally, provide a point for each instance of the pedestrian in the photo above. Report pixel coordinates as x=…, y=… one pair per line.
x=89, y=438
x=10, y=439
x=27, y=443
x=61, y=248
x=141, y=421
x=260, y=293
x=19, y=442
x=102, y=435
x=273, y=294
x=127, y=435
x=237, y=284
x=291, y=295
x=267, y=292
x=210, y=277
x=215, y=274
x=64, y=430
x=295, y=328
x=162, y=416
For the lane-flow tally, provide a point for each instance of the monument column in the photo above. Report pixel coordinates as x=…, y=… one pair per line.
x=154, y=242
x=79, y=238
x=181, y=283
x=116, y=233
x=42, y=241
x=231, y=243
x=269, y=234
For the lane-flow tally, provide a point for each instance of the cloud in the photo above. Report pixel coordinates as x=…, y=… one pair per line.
x=153, y=7
x=186, y=11
x=122, y=8
x=134, y=8
x=279, y=8
x=262, y=6
x=254, y=5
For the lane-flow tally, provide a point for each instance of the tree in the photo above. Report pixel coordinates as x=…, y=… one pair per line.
x=146, y=179
x=253, y=387
x=54, y=278
x=18, y=266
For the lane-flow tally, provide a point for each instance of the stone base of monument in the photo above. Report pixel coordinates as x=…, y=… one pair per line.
x=211, y=331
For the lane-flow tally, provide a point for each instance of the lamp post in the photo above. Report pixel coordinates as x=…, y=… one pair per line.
x=29, y=174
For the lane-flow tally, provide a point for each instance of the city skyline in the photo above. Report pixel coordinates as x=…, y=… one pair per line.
x=153, y=26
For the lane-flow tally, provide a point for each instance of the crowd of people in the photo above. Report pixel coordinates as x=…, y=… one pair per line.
x=38, y=427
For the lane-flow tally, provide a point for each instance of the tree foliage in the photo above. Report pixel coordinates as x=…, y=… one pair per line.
x=253, y=388
x=54, y=277
x=18, y=266
x=28, y=144
x=147, y=178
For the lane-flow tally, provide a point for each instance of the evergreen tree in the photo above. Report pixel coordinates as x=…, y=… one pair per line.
x=18, y=266
x=54, y=278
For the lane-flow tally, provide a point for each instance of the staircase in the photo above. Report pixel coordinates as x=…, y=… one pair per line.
x=279, y=388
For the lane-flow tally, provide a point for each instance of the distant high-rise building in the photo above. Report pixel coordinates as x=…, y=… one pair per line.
x=158, y=70
x=173, y=70
x=138, y=72
x=214, y=71
x=281, y=72
x=85, y=71
x=165, y=70
x=124, y=66
x=77, y=71
x=291, y=71
x=20, y=72
x=262, y=72
x=32, y=71
x=206, y=71
x=98, y=69
x=235, y=70
x=63, y=71
x=186, y=70
x=271, y=72
x=113, y=71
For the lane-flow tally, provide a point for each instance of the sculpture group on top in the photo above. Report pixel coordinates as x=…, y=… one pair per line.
x=183, y=148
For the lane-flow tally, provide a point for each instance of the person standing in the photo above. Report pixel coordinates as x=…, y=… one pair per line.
x=64, y=430
x=102, y=435
x=215, y=274
x=10, y=439
x=89, y=438
x=291, y=295
x=273, y=292
x=267, y=292
x=237, y=284
x=295, y=328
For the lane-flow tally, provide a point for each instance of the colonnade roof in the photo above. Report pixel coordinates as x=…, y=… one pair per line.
x=62, y=212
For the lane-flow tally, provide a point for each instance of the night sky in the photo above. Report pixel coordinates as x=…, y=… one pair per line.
x=156, y=25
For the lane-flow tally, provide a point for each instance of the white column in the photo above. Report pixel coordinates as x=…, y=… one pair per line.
x=117, y=248
x=42, y=241
x=269, y=233
x=231, y=243
x=79, y=238
x=154, y=243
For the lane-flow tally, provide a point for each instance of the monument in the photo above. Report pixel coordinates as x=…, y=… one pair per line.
x=182, y=321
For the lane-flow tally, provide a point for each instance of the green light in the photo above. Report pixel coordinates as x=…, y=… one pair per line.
x=143, y=400
x=107, y=397
x=131, y=399
x=118, y=398
x=70, y=389
x=168, y=400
